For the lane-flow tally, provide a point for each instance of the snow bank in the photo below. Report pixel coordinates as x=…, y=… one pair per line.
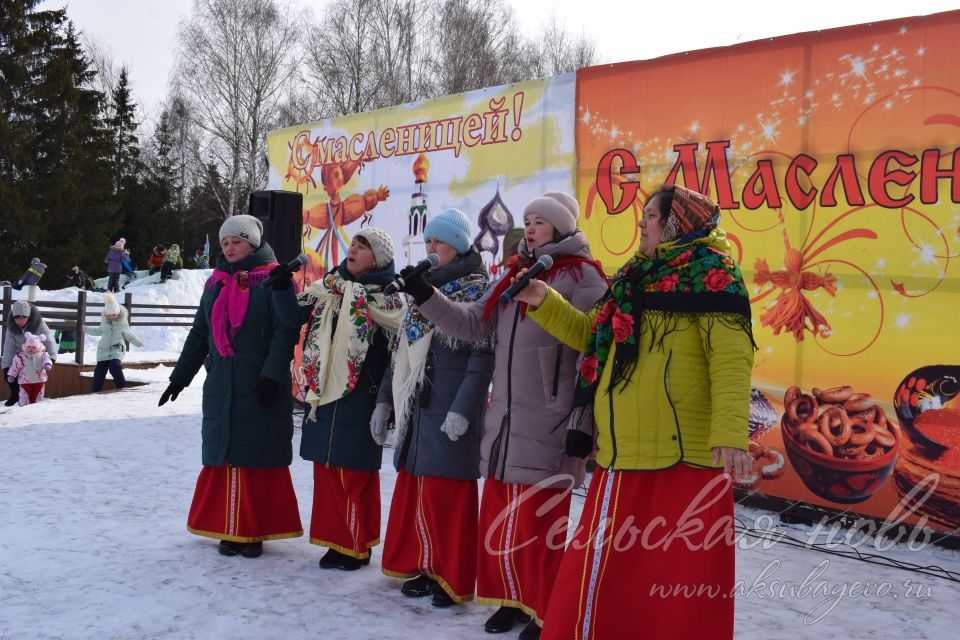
x=161, y=343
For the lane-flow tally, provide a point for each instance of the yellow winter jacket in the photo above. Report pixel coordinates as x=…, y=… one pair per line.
x=680, y=402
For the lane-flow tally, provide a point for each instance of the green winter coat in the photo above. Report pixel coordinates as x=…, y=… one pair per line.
x=114, y=336
x=236, y=429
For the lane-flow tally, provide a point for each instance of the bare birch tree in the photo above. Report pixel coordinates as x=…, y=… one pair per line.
x=233, y=61
x=101, y=60
x=340, y=70
x=477, y=45
x=555, y=50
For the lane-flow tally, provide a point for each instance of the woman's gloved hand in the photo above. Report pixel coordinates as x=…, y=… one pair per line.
x=418, y=286
x=578, y=444
x=170, y=393
x=454, y=425
x=267, y=392
x=282, y=283
x=378, y=422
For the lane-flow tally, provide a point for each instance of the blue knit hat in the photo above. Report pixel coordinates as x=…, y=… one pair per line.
x=451, y=226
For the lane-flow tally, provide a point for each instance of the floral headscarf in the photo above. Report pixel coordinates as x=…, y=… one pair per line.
x=692, y=278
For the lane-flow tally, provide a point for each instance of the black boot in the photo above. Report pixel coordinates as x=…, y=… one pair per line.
x=333, y=559
x=14, y=391
x=530, y=632
x=418, y=587
x=505, y=619
x=441, y=599
x=229, y=548
x=251, y=550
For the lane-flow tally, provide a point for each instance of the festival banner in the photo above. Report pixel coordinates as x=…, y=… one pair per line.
x=835, y=157
x=486, y=152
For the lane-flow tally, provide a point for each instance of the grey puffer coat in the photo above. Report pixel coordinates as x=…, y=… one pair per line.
x=13, y=339
x=456, y=381
x=525, y=427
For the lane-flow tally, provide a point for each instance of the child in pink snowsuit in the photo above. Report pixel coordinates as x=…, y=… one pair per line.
x=29, y=368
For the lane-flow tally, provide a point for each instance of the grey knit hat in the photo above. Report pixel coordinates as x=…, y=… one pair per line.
x=20, y=309
x=243, y=226
x=560, y=209
x=380, y=242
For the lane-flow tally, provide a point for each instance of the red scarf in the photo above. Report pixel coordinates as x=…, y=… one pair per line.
x=572, y=265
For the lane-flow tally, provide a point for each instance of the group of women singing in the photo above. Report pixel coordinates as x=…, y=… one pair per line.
x=651, y=375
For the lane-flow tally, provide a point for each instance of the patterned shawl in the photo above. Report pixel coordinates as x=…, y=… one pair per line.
x=692, y=279
x=344, y=319
x=463, y=280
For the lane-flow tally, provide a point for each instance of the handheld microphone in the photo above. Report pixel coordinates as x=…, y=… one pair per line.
x=544, y=263
x=291, y=267
x=398, y=283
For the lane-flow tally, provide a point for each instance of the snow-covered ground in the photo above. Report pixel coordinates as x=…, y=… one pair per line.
x=94, y=492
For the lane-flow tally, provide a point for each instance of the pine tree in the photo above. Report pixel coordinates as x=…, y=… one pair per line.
x=56, y=178
x=126, y=154
x=156, y=216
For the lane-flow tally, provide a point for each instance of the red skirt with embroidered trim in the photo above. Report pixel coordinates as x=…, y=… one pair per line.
x=346, y=510
x=523, y=529
x=245, y=504
x=652, y=557
x=432, y=530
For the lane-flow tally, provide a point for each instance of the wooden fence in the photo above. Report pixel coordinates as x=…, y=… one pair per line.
x=70, y=315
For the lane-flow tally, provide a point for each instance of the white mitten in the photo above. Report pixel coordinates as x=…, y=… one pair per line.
x=454, y=426
x=378, y=422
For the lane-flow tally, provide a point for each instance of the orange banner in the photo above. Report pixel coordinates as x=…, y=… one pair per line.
x=835, y=157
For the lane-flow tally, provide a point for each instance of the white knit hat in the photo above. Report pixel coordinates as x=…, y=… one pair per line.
x=120, y=243
x=242, y=226
x=560, y=209
x=110, y=305
x=380, y=242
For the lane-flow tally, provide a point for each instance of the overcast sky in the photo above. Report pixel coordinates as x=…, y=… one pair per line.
x=142, y=33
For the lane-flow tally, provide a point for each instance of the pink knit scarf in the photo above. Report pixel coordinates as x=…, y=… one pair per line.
x=230, y=307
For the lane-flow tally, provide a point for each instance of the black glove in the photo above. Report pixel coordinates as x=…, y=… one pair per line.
x=170, y=393
x=419, y=286
x=579, y=444
x=282, y=283
x=267, y=392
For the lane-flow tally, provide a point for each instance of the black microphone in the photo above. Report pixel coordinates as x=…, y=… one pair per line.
x=398, y=283
x=544, y=263
x=291, y=267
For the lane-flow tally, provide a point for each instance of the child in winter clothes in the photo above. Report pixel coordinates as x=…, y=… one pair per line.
x=29, y=368
x=128, y=268
x=67, y=339
x=114, y=332
x=114, y=260
x=171, y=261
x=155, y=261
x=79, y=278
x=31, y=276
x=23, y=317
x=202, y=261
